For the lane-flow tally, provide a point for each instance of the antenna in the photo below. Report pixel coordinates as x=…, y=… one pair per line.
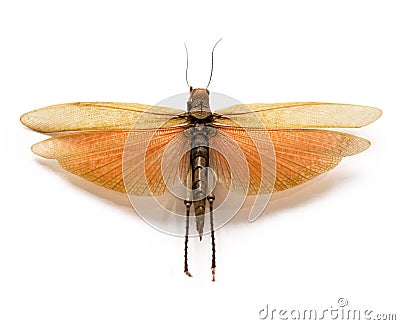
x=212, y=62
x=187, y=64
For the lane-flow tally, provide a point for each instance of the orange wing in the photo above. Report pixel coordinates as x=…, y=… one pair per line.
x=98, y=157
x=300, y=155
x=304, y=154
x=243, y=160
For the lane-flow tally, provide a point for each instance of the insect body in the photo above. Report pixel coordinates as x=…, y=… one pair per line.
x=199, y=113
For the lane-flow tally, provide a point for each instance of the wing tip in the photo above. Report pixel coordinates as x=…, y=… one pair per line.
x=356, y=146
x=374, y=113
x=365, y=145
x=38, y=150
x=34, y=149
x=24, y=119
x=31, y=121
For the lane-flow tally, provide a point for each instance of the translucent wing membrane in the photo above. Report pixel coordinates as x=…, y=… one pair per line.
x=100, y=116
x=155, y=160
x=296, y=156
x=97, y=157
x=298, y=115
x=255, y=174
x=304, y=154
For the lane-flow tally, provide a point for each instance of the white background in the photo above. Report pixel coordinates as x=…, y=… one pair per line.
x=74, y=253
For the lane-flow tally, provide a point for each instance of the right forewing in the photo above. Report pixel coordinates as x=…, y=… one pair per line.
x=298, y=115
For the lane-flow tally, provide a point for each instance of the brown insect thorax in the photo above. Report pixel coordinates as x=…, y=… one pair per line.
x=198, y=105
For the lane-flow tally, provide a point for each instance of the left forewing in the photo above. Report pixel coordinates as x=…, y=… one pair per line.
x=89, y=116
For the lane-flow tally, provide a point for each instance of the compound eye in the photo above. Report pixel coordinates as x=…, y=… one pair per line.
x=208, y=92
